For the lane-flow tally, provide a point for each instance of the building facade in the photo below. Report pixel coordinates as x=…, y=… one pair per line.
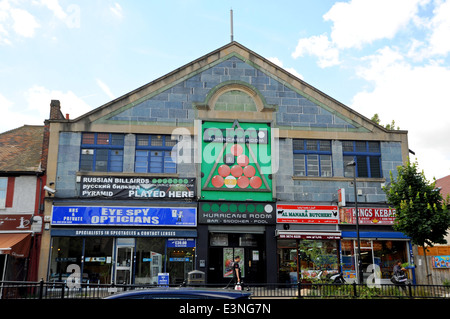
x=22, y=178
x=228, y=155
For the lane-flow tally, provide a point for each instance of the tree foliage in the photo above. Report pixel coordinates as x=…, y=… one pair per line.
x=421, y=212
x=376, y=118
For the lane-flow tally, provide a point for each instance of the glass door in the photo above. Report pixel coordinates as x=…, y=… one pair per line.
x=366, y=258
x=124, y=260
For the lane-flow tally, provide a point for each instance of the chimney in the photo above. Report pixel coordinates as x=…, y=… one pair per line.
x=55, y=110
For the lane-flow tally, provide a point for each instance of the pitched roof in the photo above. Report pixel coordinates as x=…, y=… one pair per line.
x=139, y=95
x=444, y=184
x=21, y=148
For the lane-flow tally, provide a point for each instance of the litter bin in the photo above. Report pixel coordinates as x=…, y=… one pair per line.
x=196, y=278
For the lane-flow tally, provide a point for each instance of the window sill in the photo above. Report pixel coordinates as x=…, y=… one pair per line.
x=338, y=179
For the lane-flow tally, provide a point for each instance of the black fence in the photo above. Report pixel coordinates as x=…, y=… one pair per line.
x=60, y=290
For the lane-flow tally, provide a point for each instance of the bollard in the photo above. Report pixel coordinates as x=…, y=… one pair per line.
x=41, y=288
x=410, y=290
x=299, y=289
x=62, y=289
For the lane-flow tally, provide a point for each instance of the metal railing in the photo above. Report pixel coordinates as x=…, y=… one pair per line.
x=359, y=291
x=60, y=290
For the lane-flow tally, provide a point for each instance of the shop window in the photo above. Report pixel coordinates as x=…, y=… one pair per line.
x=312, y=158
x=317, y=255
x=65, y=251
x=180, y=258
x=287, y=261
x=348, y=260
x=150, y=259
x=154, y=154
x=98, y=259
x=102, y=152
x=367, y=156
x=306, y=258
x=386, y=253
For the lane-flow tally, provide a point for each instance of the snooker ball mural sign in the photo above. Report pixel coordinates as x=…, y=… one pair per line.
x=236, y=161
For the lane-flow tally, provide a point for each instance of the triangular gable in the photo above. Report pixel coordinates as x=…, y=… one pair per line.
x=173, y=99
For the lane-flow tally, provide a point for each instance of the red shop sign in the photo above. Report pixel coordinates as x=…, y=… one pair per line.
x=15, y=222
x=367, y=216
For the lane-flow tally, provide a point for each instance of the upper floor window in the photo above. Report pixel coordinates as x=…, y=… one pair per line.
x=102, y=152
x=154, y=154
x=312, y=158
x=3, y=190
x=367, y=156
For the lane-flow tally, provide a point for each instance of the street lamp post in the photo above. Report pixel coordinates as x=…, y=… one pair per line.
x=360, y=273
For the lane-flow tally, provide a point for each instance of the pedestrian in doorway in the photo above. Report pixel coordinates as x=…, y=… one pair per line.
x=399, y=275
x=237, y=273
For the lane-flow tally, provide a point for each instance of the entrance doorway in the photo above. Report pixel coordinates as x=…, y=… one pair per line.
x=225, y=247
x=124, y=260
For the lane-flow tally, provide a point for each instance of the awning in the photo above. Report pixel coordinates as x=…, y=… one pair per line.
x=291, y=234
x=17, y=245
x=375, y=235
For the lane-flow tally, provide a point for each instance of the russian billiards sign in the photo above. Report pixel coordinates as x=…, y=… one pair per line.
x=236, y=161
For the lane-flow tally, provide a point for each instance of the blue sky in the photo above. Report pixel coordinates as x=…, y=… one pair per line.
x=375, y=56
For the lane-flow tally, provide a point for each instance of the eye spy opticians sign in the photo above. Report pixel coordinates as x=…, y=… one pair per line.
x=137, y=187
x=124, y=216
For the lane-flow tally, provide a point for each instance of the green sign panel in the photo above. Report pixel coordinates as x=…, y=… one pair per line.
x=236, y=161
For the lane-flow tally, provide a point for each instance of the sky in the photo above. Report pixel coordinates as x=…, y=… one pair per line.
x=375, y=56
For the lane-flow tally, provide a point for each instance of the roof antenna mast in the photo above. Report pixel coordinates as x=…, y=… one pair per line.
x=231, y=23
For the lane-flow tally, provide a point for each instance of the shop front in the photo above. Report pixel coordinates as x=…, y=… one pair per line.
x=308, y=241
x=380, y=245
x=379, y=248
x=119, y=244
x=16, y=241
x=242, y=229
x=303, y=255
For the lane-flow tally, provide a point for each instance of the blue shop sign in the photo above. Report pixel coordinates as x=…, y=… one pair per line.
x=180, y=242
x=163, y=279
x=124, y=216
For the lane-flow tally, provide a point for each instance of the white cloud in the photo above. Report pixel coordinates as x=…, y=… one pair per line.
x=36, y=107
x=363, y=21
x=440, y=25
x=415, y=97
x=71, y=16
x=280, y=64
x=12, y=117
x=24, y=23
x=117, y=10
x=319, y=46
x=54, y=6
x=39, y=97
x=105, y=89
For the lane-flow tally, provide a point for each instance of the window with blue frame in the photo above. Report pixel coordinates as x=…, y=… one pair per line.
x=154, y=154
x=101, y=152
x=312, y=158
x=367, y=156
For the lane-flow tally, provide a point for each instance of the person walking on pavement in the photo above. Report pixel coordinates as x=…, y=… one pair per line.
x=237, y=272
